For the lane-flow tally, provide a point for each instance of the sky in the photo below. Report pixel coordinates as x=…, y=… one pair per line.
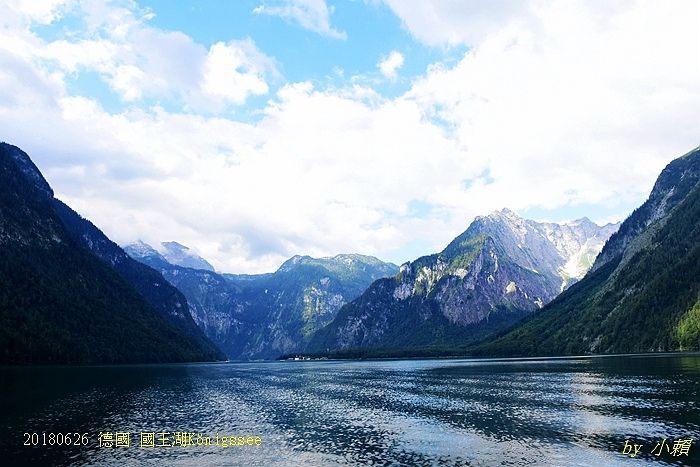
x=252, y=131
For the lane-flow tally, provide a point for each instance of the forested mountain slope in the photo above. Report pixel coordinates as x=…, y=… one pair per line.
x=60, y=302
x=643, y=293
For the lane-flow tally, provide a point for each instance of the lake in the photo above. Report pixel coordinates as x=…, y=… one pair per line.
x=618, y=410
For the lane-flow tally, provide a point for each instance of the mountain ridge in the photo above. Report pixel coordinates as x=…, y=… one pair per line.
x=498, y=270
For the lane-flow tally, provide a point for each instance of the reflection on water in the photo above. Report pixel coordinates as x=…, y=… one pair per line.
x=577, y=411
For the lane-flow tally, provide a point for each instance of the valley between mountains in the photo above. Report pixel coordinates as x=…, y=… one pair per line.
x=506, y=286
x=502, y=268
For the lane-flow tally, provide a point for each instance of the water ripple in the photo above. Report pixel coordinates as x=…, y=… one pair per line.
x=418, y=412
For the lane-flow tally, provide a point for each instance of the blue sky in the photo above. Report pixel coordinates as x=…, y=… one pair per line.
x=252, y=131
x=360, y=36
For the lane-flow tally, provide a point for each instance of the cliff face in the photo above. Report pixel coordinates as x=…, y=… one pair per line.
x=500, y=269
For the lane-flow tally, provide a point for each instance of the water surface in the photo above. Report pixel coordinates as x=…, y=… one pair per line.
x=573, y=411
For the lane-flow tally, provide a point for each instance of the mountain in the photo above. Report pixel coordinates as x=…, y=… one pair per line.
x=500, y=269
x=180, y=255
x=70, y=295
x=643, y=292
x=263, y=316
x=563, y=253
x=172, y=253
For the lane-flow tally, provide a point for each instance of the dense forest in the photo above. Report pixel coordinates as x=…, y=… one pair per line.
x=59, y=303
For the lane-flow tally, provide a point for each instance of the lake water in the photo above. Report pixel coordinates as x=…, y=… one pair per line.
x=573, y=411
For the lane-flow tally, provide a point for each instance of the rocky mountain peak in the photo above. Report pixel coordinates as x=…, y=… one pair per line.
x=172, y=252
x=507, y=214
x=562, y=252
x=180, y=255
x=584, y=221
x=139, y=249
x=501, y=268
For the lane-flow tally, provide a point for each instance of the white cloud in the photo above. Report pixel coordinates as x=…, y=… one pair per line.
x=390, y=64
x=141, y=62
x=40, y=11
x=313, y=15
x=577, y=110
x=320, y=174
x=230, y=74
x=459, y=22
